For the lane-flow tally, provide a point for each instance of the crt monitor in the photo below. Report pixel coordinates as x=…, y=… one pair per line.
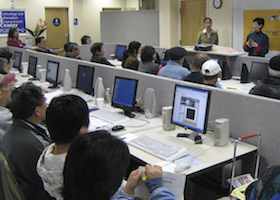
x=124, y=94
x=258, y=71
x=17, y=60
x=191, y=108
x=119, y=51
x=85, y=79
x=32, y=67
x=52, y=73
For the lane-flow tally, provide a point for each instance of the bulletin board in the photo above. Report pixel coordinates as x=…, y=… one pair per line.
x=271, y=25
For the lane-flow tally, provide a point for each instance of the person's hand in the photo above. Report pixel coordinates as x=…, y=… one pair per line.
x=153, y=171
x=132, y=182
x=254, y=44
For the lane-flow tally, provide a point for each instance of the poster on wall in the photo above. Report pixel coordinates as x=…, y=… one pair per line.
x=12, y=18
x=271, y=25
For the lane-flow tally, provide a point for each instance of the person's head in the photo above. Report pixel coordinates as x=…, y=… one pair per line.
x=210, y=71
x=148, y=53
x=6, y=88
x=6, y=62
x=133, y=47
x=274, y=66
x=66, y=118
x=94, y=167
x=72, y=48
x=28, y=103
x=258, y=24
x=199, y=59
x=41, y=42
x=208, y=23
x=177, y=54
x=13, y=33
x=86, y=39
x=97, y=48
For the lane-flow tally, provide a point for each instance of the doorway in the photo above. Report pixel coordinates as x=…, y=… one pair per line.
x=193, y=13
x=57, y=28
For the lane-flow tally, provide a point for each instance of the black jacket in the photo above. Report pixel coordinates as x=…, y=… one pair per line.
x=100, y=59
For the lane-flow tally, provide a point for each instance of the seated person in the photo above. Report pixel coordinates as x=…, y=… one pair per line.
x=13, y=40
x=148, y=56
x=95, y=166
x=98, y=51
x=210, y=71
x=41, y=42
x=25, y=140
x=270, y=85
x=173, y=68
x=72, y=50
x=130, y=60
x=6, y=62
x=66, y=118
x=6, y=88
x=86, y=40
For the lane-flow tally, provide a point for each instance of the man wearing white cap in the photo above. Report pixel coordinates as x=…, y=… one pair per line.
x=210, y=71
x=6, y=88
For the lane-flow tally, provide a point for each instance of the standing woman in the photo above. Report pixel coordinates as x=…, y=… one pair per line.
x=208, y=35
x=13, y=38
x=130, y=60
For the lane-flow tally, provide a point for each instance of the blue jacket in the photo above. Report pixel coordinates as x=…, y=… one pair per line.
x=174, y=70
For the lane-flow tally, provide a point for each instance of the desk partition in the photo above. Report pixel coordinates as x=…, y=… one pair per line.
x=246, y=113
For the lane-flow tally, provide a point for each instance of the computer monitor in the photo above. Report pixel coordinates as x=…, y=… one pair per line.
x=119, y=51
x=17, y=60
x=52, y=73
x=258, y=71
x=124, y=94
x=32, y=67
x=191, y=108
x=85, y=79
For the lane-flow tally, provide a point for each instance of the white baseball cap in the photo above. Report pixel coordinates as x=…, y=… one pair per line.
x=210, y=68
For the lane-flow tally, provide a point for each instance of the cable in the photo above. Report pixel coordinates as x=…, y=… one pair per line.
x=146, y=122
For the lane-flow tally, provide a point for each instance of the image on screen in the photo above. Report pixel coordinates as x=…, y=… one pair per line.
x=191, y=108
x=119, y=51
x=52, y=72
x=258, y=71
x=32, y=64
x=124, y=94
x=85, y=79
x=17, y=60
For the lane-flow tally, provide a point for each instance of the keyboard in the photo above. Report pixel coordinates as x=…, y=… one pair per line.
x=158, y=147
x=110, y=116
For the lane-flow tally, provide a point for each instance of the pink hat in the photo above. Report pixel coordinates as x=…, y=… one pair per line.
x=7, y=78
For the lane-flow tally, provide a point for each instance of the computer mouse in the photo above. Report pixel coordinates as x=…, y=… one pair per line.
x=180, y=167
x=117, y=128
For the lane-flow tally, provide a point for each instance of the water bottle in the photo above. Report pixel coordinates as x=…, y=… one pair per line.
x=67, y=82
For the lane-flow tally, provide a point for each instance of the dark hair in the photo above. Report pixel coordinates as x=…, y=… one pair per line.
x=25, y=99
x=206, y=19
x=38, y=40
x=65, y=116
x=147, y=53
x=96, y=47
x=199, y=59
x=5, y=58
x=133, y=48
x=70, y=46
x=209, y=77
x=11, y=32
x=84, y=39
x=94, y=167
x=260, y=21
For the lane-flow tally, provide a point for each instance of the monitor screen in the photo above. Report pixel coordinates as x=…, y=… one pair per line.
x=191, y=108
x=32, y=65
x=52, y=72
x=124, y=94
x=119, y=51
x=85, y=78
x=258, y=71
x=17, y=60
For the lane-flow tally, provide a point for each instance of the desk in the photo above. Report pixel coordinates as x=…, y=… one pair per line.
x=116, y=62
x=236, y=86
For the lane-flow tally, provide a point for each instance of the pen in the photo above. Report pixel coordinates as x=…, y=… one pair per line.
x=144, y=178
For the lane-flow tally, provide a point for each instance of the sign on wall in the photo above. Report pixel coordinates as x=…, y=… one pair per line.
x=271, y=25
x=12, y=18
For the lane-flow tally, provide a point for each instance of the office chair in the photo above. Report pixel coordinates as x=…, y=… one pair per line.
x=9, y=188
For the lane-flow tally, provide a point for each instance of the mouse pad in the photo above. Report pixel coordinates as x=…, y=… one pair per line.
x=191, y=159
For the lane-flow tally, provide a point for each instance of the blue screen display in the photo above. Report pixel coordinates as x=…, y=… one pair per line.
x=120, y=50
x=85, y=78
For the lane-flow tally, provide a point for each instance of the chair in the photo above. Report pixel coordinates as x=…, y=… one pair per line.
x=9, y=188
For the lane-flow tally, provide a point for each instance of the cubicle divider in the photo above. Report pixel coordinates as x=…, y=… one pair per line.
x=246, y=113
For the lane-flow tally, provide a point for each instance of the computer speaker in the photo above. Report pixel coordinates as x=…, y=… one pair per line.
x=166, y=118
x=67, y=82
x=99, y=89
x=150, y=104
x=221, y=136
